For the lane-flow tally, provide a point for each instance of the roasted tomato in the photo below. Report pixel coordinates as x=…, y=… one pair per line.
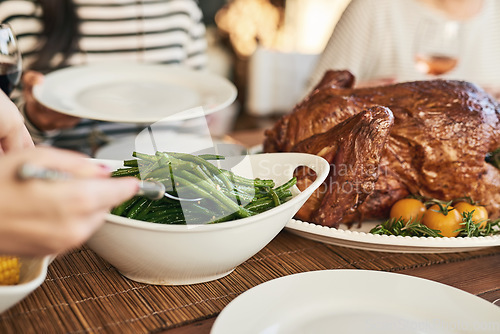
x=480, y=214
x=408, y=209
x=447, y=223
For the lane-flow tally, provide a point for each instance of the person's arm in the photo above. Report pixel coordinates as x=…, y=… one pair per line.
x=351, y=46
x=13, y=134
x=41, y=217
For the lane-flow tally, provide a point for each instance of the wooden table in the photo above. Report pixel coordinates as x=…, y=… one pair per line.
x=84, y=294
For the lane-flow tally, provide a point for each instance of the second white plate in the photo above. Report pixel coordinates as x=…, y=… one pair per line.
x=134, y=92
x=351, y=301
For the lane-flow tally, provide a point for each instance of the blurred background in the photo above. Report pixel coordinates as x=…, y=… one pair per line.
x=267, y=48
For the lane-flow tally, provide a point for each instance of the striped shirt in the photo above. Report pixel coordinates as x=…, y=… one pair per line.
x=375, y=40
x=159, y=31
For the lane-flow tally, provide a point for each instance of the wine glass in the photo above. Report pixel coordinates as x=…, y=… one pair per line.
x=10, y=59
x=437, y=46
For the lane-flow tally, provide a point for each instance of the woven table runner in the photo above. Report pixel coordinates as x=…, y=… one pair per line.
x=84, y=294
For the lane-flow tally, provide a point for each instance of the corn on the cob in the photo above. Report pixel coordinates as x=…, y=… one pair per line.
x=9, y=270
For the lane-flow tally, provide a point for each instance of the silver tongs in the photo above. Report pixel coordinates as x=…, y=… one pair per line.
x=150, y=189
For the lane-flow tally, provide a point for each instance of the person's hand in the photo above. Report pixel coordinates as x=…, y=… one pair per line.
x=13, y=134
x=43, y=118
x=42, y=217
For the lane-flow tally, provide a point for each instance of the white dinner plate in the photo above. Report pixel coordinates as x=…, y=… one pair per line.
x=352, y=301
x=134, y=92
x=359, y=237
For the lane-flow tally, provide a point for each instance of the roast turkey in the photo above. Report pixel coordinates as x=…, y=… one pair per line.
x=427, y=138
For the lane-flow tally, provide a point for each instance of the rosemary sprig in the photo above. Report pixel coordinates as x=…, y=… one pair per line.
x=412, y=228
x=472, y=229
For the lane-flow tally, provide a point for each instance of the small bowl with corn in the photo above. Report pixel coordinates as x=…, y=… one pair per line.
x=20, y=276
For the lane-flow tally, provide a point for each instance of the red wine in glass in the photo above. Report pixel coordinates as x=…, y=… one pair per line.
x=10, y=60
x=9, y=77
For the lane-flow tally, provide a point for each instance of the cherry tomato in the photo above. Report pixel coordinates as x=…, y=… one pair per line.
x=480, y=214
x=408, y=209
x=447, y=224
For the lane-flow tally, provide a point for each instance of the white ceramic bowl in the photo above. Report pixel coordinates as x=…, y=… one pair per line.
x=187, y=254
x=32, y=275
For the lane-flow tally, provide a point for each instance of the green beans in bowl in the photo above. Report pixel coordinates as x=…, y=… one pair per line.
x=208, y=194
x=198, y=241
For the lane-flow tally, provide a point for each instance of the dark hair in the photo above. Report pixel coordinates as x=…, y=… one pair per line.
x=60, y=33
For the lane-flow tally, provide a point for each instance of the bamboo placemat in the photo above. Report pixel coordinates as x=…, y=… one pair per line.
x=84, y=294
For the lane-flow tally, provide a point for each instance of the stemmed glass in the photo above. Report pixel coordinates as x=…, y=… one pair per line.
x=437, y=46
x=10, y=59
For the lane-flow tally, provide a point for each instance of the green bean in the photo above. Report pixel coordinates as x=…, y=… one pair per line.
x=130, y=171
x=260, y=206
x=123, y=208
x=185, y=161
x=209, y=192
x=136, y=208
x=192, y=213
x=267, y=203
x=146, y=167
x=238, y=195
x=211, y=168
x=202, y=208
x=144, y=210
x=165, y=203
x=196, y=170
x=224, y=219
x=143, y=156
x=287, y=185
x=274, y=196
x=168, y=219
x=159, y=211
x=251, y=191
x=215, y=177
x=248, y=182
x=161, y=172
x=130, y=163
x=212, y=157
